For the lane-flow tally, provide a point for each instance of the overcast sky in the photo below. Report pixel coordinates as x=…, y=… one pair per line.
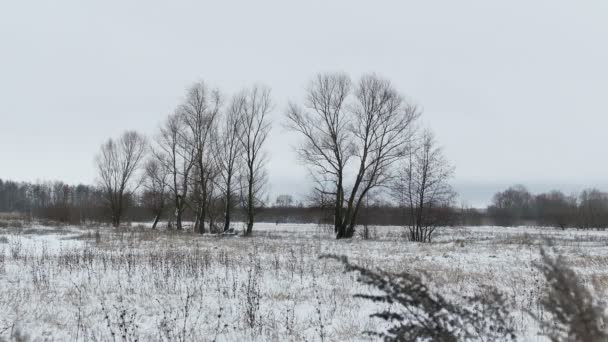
x=516, y=91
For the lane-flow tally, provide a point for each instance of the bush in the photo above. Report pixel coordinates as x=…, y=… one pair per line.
x=575, y=315
x=427, y=316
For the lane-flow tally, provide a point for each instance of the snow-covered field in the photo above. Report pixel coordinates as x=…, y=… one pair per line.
x=70, y=284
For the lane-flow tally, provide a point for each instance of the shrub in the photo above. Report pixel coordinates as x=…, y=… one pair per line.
x=427, y=316
x=575, y=315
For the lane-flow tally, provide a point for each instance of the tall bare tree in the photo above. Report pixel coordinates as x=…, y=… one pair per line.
x=255, y=128
x=174, y=149
x=229, y=153
x=364, y=129
x=117, y=163
x=423, y=190
x=200, y=111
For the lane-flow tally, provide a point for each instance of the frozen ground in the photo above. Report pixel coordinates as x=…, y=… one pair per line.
x=70, y=284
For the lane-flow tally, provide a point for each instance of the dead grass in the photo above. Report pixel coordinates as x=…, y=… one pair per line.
x=152, y=272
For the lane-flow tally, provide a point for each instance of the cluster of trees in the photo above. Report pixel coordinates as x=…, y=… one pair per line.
x=207, y=158
x=52, y=200
x=516, y=206
x=81, y=204
x=359, y=140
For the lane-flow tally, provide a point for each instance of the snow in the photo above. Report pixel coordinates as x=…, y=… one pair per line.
x=63, y=284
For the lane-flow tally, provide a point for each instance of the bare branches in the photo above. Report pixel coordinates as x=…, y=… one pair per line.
x=370, y=126
x=207, y=148
x=323, y=124
x=200, y=112
x=155, y=182
x=422, y=188
x=174, y=150
x=255, y=128
x=184, y=148
x=419, y=314
x=228, y=153
x=382, y=124
x=117, y=163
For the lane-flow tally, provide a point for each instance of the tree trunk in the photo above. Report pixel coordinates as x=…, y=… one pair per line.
x=196, y=222
x=227, y=220
x=249, y=226
x=338, y=209
x=156, y=219
x=178, y=218
x=250, y=209
x=202, y=210
x=116, y=218
x=337, y=220
x=345, y=231
x=227, y=212
x=200, y=219
x=350, y=230
x=119, y=209
x=212, y=228
x=249, y=221
x=340, y=231
x=113, y=210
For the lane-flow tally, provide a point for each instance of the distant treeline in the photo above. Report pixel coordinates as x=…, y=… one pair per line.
x=79, y=204
x=517, y=206
x=52, y=200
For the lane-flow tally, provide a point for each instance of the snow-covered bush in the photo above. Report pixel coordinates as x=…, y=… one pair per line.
x=418, y=314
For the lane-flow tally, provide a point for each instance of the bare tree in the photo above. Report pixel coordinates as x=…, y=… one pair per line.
x=555, y=209
x=283, y=201
x=228, y=154
x=593, y=209
x=255, y=128
x=174, y=150
x=512, y=206
x=364, y=130
x=200, y=111
x=117, y=164
x=422, y=189
x=156, y=177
